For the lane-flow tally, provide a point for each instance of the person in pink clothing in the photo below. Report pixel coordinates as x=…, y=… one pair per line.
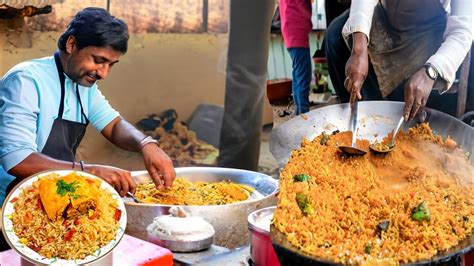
x=296, y=25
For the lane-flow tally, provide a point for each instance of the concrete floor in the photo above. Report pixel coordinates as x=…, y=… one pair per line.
x=266, y=163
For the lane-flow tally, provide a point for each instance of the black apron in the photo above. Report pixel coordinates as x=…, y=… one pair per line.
x=404, y=35
x=65, y=135
x=64, y=138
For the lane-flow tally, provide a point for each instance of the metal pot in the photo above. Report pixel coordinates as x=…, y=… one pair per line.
x=229, y=221
x=261, y=249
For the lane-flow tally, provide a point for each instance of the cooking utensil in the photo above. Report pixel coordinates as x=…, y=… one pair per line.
x=391, y=146
x=261, y=249
x=375, y=119
x=353, y=150
x=229, y=221
x=133, y=197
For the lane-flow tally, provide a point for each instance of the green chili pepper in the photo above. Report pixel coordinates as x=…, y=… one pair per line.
x=301, y=178
x=303, y=202
x=368, y=249
x=421, y=212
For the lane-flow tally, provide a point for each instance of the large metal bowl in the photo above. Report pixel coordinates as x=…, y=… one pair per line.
x=229, y=221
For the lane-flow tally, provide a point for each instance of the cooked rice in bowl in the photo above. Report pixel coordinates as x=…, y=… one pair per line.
x=198, y=193
x=84, y=230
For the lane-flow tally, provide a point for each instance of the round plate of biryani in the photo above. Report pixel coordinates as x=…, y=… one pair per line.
x=65, y=217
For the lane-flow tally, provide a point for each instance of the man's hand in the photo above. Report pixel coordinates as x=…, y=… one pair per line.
x=357, y=66
x=126, y=136
x=417, y=91
x=159, y=165
x=120, y=179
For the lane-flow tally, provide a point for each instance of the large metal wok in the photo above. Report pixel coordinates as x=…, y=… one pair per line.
x=229, y=221
x=376, y=120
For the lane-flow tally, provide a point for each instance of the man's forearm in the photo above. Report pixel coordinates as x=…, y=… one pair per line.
x=360, y=17
x=37, y=162
x=126, y=136
x=359, y=43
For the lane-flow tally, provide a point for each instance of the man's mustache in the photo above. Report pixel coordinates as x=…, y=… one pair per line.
x=96, y=76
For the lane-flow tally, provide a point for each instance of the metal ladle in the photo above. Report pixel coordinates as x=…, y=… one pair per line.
x=353, y=150
x=133, y=197
x=391, y=146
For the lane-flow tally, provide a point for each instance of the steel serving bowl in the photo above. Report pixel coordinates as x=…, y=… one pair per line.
x=261, y=249
x=229, y=221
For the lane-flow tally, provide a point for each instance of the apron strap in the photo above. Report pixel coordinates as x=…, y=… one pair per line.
x=59, y=67
x=80, y=103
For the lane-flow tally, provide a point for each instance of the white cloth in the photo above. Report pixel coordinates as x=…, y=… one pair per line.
x=19, y=4
x=458, y=35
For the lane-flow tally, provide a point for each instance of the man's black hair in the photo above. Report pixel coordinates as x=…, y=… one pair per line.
x=94, y=26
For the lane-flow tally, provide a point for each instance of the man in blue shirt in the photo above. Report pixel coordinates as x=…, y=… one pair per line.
x=46, y=104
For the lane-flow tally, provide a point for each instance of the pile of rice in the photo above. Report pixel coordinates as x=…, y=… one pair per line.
x=90, y=231
x=185, y=192
x=359, y=209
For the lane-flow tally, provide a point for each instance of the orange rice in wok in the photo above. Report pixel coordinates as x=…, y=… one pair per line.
x=64, y=237
x=389, y=209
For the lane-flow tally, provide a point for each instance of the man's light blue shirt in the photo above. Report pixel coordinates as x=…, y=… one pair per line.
x=30, y=95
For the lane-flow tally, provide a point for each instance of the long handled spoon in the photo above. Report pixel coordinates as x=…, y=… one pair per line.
x=353, y=150
x=384, y=148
